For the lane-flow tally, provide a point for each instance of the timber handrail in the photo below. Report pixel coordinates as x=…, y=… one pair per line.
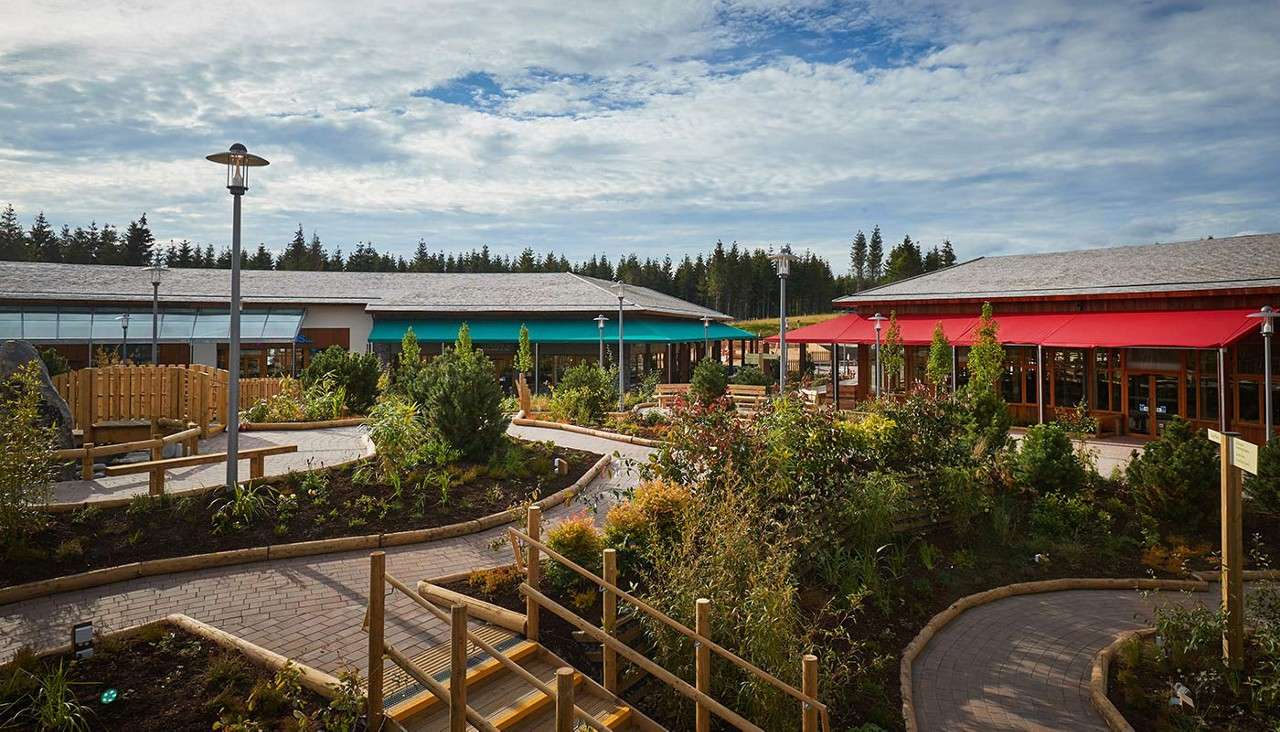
x=435, y=687
x=493, y=652
x=676, y=625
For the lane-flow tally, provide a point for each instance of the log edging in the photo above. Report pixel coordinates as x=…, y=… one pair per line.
x=940, y=620
x=317, y=425
x=231, y=557
x=1098, y=680
x=603, y=434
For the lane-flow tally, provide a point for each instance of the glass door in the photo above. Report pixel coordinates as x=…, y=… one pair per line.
x=1166, y=400
x=1139, y=412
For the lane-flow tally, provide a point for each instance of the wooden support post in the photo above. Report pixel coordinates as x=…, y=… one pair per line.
x=564, y=699
x=458, y=669
x=377, y=586
x=86, y=462
x=809, y=685
x=609, y=674
x=155, y=485
x=533, y=571
x=257, y=467
x=1232, y=556
x=702, y=662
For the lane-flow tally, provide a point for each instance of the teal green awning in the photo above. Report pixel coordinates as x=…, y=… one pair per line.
x=556, y=331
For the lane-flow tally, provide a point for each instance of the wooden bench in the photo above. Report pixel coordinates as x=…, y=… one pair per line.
x=748, y=399
x=256, y=457
x=666, y=394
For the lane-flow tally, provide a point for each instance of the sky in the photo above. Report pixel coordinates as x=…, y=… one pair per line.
x=654, y=127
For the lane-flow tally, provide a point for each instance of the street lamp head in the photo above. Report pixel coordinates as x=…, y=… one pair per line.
x=618, y=288
x=600, y=321
x=156, y=271
x=782, y=260
x=124, y=320
x=238, y=160
x=877, y=319
x=1268, y=317
x=706, y=321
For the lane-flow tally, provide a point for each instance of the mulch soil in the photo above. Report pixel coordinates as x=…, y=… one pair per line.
x=88, y=539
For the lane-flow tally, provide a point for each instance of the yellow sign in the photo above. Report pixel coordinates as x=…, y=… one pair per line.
x=1215, y=436
x=1244, y=455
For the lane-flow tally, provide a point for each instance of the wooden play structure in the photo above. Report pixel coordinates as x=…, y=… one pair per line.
x=515, y=683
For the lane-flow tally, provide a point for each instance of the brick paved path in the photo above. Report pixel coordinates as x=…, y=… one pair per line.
x=316, y=448
x=1023, y=663
x=307, y=608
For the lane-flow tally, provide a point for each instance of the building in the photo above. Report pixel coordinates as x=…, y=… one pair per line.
x=288, y=315
x=1137, y=333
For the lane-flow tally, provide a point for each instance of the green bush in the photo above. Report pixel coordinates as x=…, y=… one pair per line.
x=585, y=393
x=1047, y=461
x=987, y=420
x=461, y=400
x=1059, y=517
x=321, y=400
x=356, y=373
x=1264, y=488
x=709, y=381
x=1175, y=479
x=27, y=467
x=750, y=376
x=55, y=362
x=578, y=540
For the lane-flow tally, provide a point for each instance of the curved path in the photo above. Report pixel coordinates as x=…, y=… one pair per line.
x=307, y=608
x=1023, y=662
x=316, y=449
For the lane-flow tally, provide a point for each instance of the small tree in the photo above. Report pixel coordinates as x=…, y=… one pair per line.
x=893, y=354
x=27, y=467
x=709, y=381
x=986, y=356
x=524, y=353
x=461, y=400
x=939, y=368
x=410, y=361
x=988, y=416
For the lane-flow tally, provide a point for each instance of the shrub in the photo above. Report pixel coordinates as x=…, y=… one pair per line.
x=321, y=400
x=1047, y=462
x=461, y=400
x=578, y=540
x=987, y=420
x=1059, y=517
x=27, y=467
x=1264, y=488
x=55, y=362
x=1175, y=479
x=408, y=363
x=356, y=373
x=585, y=393
x=651, y=518
x=750, y=376
x=709, y=381
x=938, y=368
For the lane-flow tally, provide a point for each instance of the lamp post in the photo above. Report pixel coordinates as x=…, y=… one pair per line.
x=877, y=377
x=156, y=271
x=619, y=290
x=124, y=336
x=782, y=261
x=237, y=161
x=706, y=336
x=600, y=321
x=1268, y=317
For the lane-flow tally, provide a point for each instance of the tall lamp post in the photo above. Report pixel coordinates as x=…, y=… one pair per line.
x=706, y=336
x=237, y=161
x=156, y=271
x=600, y=321
x=619, y=289
x=782, y=261
x=124, y=336
x=1268, y=317
x=877, y=377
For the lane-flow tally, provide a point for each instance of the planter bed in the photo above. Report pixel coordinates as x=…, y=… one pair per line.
x=165, y=680
x=146, y=529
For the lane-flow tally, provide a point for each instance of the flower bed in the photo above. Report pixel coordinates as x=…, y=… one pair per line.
x=346, y=501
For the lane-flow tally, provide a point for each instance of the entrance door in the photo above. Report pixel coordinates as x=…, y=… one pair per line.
x=1139, y=418
x=1166, y=400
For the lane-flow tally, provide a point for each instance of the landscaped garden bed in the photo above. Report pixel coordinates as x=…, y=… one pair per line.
x=352, y=500
x=162, y=679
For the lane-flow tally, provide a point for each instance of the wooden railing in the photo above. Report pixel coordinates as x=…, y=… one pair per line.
x=812, y=710
x=455, y=696
x=85, y=454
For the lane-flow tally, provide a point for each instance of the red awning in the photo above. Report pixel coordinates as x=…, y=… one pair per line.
x=1150, y=329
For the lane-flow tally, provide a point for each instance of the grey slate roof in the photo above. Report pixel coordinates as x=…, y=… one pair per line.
x=377, y=291
x=1205, y=264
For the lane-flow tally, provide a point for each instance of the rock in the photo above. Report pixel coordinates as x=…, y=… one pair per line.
x=53, y=408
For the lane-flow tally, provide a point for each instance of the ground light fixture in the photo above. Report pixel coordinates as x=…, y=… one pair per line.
x=1268, y=317
x=600, y=321
x=156, y=271
x=619, y=290
x=706, y=336
x=124, y=336
x=237, y=161
x=782, y=262
x=877, y=377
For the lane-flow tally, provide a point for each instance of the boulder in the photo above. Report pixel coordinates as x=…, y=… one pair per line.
x=53, y=408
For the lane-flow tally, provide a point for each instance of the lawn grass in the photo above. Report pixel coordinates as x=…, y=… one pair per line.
x=765, y=327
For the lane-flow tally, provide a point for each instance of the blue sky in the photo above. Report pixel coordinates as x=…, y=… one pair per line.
x=653, y=127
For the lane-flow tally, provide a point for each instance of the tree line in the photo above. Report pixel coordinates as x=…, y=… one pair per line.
x=733, y=279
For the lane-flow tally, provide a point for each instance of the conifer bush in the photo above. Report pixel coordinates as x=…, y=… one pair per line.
x=356, y=373
x=461, y=400
x=1047, y=462
x=583, y=396
x=1175, y=478
x=709, y=382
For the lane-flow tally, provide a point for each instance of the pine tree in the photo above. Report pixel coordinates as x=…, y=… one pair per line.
x=295, y=254
x=875, y=256
x=932, y=260
x=336, y=262
x=261, y=258
x=210, y=261
x=42, y=243
x=858, y=260
x=110, y=248
x=948, y=254
x=422, y=257
x=316, y=256
x=904, y=261
x=893, y=353
x=13, y=243
x=527, y=262
x=138, y=241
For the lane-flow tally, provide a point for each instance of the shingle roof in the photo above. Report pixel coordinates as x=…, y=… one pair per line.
x=1205, y=264
x=378, y=291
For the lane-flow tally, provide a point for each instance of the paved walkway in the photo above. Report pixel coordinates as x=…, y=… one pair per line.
x=308, y=608
x=316, y=448
x=1108, y=453
x=1023, y=663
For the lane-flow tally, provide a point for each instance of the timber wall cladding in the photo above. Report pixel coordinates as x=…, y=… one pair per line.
x=191, y=393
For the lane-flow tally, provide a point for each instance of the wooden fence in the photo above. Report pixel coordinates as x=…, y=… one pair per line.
x=188, y=394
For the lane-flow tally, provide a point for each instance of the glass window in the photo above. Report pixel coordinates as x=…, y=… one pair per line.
x=75, y=326
x=1250, y=391
x=251, y=325
x=212, y=326
x=10, y=324
x=1208, y=397
x=1011, y=382
x=40, y=325
x=282, y=325
x=1249, y=358
x=1068, y=378
x=1155, y=359
x=250, y=363
x=1106, y=370
x=177, y=325
x=1030, y=375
